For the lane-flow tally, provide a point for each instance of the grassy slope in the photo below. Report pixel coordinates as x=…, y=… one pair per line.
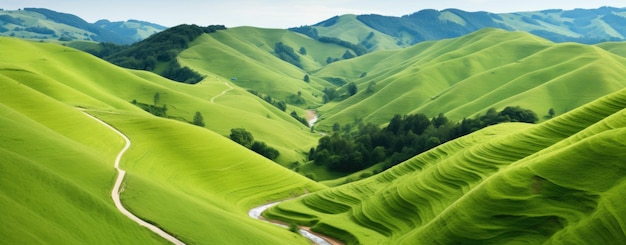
x=247, y=54
x=212, y=184
x=492, y=68
x=618, y=48
x=557, y=182
x=349, y=28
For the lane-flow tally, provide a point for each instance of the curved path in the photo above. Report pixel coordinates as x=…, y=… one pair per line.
x=115, y=193
x=223, y=92
x=256, y=212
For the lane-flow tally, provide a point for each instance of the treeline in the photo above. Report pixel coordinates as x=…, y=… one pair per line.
x=159, y=48
x=245, y=138
x=404, y=137
x=161, y=111
x=331, y=94
x=281, y=105
x=287, y=53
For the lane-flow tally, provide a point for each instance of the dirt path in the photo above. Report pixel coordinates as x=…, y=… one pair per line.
x=311, y=117
x=223, y=92
x=115, y=193
x=315, y=238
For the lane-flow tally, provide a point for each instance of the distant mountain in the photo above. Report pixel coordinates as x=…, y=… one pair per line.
x=377, y=32
x=45, y=24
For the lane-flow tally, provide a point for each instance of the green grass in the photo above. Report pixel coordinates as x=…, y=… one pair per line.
x=189, y=180
x=466, y=76
x=557, y=182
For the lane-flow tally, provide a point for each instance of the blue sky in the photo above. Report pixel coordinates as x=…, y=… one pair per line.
x=278, y=13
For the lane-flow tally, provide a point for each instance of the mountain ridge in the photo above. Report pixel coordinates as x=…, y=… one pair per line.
x=579, y=25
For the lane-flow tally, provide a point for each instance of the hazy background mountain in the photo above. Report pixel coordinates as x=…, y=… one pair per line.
x=377, y=32
x=45, y=24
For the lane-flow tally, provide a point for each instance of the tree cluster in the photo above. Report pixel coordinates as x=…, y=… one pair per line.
x=162, y=47
x=281, y=105
x=300, y=119
x=357, y=48
x=404, y=137
x=245, y=138
x=287, y=53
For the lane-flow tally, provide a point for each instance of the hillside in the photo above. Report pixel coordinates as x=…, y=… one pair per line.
x=193, y=182
x=492, y=69
x=559, y=182
x=47, y=25
x=378, y=32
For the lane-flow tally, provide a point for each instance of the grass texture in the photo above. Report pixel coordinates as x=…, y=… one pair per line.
x=57, y=163
x=559, y=182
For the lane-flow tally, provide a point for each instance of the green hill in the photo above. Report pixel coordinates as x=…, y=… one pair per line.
x=193, y=182
x=561, y=181
x=378, y=32
x=465, y=76
x=47, y=25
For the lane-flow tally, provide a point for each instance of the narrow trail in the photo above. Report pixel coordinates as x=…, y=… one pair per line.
x=115, y=193
x=223, y=92
x=256, y=212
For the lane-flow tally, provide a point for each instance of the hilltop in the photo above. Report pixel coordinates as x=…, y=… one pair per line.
x=48, y=25
x=377, y=32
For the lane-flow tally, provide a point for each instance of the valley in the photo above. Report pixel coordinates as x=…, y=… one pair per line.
x=483, y=135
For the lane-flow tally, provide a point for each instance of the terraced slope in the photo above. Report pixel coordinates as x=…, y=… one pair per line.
x=559, y=182
x=465, y=76
x=58, y=163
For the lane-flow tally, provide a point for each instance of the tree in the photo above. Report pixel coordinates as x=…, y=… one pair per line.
x=302, y=51
x=307, y=78
x=198, y=119
x=156, y=98
x=551, y=112
x=352, y=89
x=242, y=137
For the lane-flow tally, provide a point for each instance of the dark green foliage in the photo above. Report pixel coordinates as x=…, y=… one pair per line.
x=302, y=120
x=358, y=49
x=39, y=29
x=242, y=137
x=10, y=19
x=287, y=53
x=276, y=103
x=264, y=150
x=352, y=89
x=2, y=29
x=198, y=119
x=302, y=51
x=159, y=111
x=404, y=137
x=245, y=138
x=161, y=47
x=306, y=30
x=551, y=112
x=307, y=78
x=329, y=94
x=348, y=55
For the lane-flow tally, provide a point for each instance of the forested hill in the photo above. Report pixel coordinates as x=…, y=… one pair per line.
x=44, y=24
x=377, y=32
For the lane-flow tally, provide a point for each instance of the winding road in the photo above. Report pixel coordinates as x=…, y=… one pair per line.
x=256, y=212
x=223, y=92
x=115, y=193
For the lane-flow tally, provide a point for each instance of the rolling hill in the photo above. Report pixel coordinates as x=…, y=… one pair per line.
x=464, y=76
x=46, y=25
x=378, y=32
x=194, y=183
x=561, y=182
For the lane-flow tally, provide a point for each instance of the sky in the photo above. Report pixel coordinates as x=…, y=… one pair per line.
x=278, y=13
